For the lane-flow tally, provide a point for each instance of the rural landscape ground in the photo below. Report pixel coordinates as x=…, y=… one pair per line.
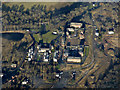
x=60, y=45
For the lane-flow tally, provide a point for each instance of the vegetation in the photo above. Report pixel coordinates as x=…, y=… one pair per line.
x=86, y=51
x=48, y=39
x=37, y=37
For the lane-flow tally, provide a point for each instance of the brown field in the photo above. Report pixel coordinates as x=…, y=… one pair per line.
x=50, y=5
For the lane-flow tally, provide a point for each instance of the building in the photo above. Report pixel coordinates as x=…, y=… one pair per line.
x=66, y=54
x=13, y=65
x=46, y=57
x=96, y=33
x=38, y=46
x=55, y=56
x=24, y=82
x=82, y=41
x=63, y=42
x=42, y=50
x=54, y=59
x=55, y=33
x=73, y=59
x=67, y=33
x=29, y=59
x=76, y=25
x=81, y=52
x=70, y=29
x=81, y=36
x=1, y=75
x=110, y=32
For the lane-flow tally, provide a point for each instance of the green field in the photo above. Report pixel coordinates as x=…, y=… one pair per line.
x=37, y=37
x=86, y=51
x=48, y=37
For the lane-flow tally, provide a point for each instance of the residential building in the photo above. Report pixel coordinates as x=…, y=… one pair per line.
x=24, y=82
x=96, y=33
x=110, y=32
x=14, y=65
x=63, y=42
x=42, y=50
x=81, y=36
x=38, y=46
x=46, y=57
x=76, y=25
x=54, y=59
x=55, y=33
x=55, y=56
x=29, y=59
x=1, y=75
x=73, y=59
x=81, y=53
x=70, y=29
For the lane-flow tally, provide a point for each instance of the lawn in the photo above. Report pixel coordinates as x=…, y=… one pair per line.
x=37, y=37
x=86, y=51
x=48, y=37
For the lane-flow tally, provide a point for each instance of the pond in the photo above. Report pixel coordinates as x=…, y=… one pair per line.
x=12, y=36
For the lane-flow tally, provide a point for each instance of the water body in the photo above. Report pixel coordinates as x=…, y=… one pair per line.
x=12, y=36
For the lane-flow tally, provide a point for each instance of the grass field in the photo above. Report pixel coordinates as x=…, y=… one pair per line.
x=37, y=37
x=48, y=37
x=50, y=5
x=86, y=51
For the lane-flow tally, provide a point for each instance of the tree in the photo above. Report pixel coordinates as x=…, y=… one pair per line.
x=5, y=8
x=27, y=11
x=21, y=8
x=15, y=7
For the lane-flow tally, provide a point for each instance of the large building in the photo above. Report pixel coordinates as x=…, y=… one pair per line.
x=43, y=50
x=73, y=59
x=75, y=25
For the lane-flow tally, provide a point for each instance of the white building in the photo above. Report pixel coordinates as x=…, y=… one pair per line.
x=74, y=59
x=14, y=65
x=46, y=57
x=93, y=5
x=76, y=25
x=42, y=50
x=55, y=33
x=38, y=46
x=97, y=34
x=24, y=82
x=27, y=30
x=28, y=54
x=54, y=59
x=70, y=29
x=1, y=75
x=29, y=59
x=110, y=32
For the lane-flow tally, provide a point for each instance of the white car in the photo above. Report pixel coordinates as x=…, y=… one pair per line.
x=57, y=75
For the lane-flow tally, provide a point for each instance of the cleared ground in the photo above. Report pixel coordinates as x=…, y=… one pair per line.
x=50, y=5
